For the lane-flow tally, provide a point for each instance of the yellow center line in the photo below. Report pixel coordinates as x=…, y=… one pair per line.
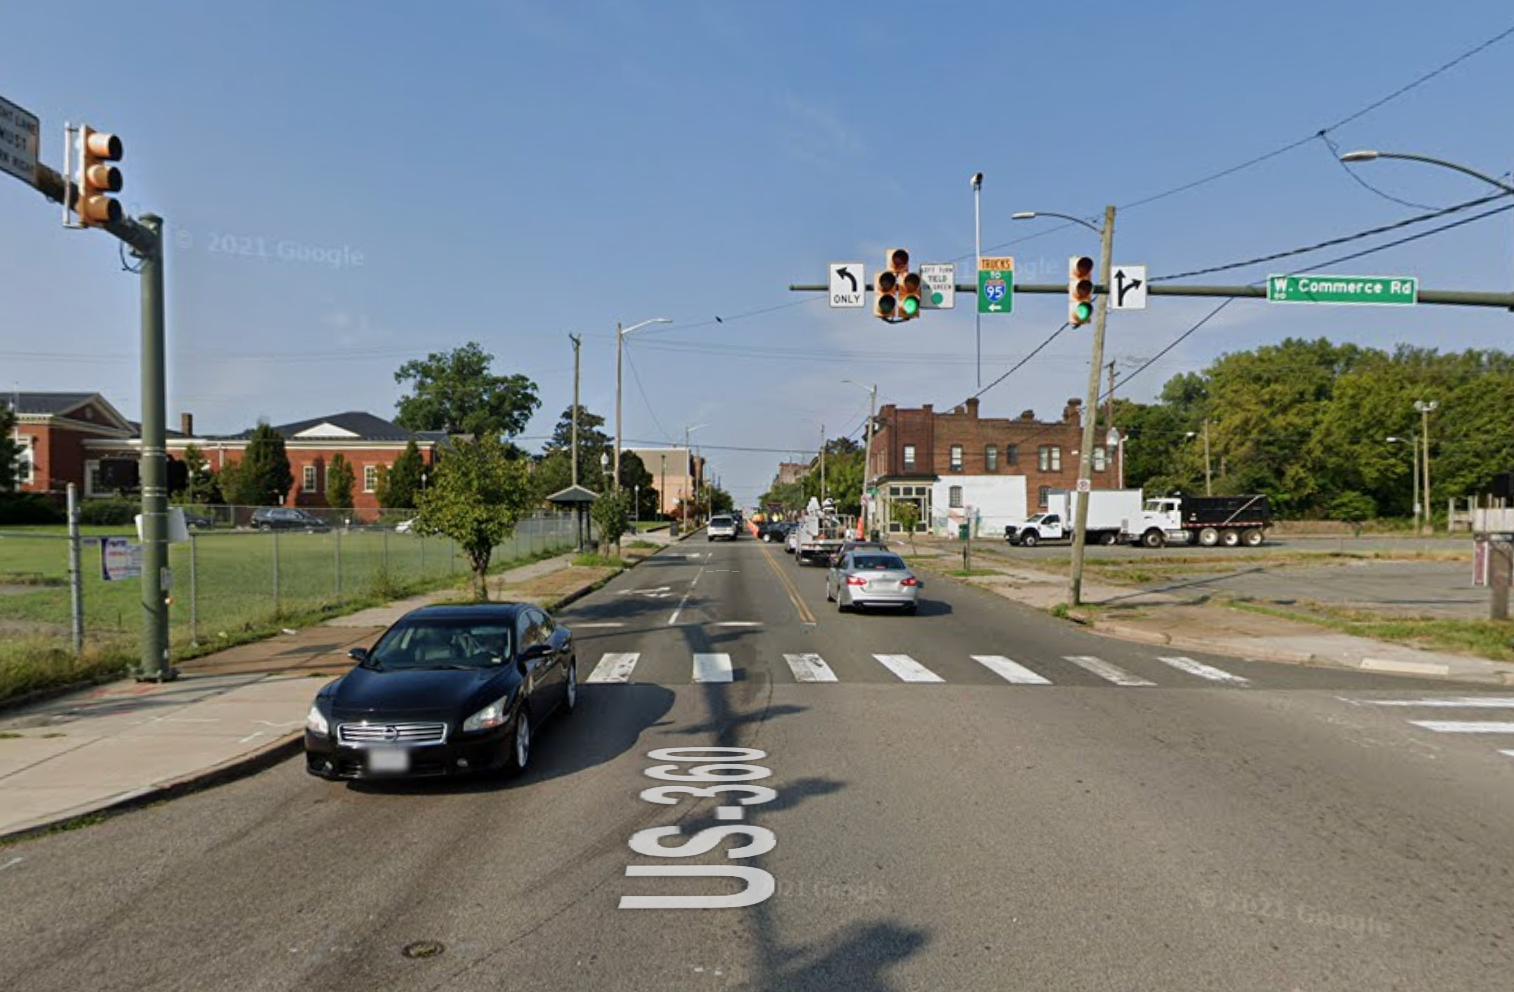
x=789, y=587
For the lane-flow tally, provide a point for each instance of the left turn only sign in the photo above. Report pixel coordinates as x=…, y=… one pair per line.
x=847, y=282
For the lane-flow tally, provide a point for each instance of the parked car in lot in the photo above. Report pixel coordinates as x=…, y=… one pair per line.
x=867, y=577
x=445, y=691
x=723, y=527
x=286, y=518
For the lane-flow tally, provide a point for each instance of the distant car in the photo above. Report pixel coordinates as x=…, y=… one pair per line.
x=286, y=518
x=723, y=527
x=445, y=691
x=774, y=530
x=866, y=577
x=853, y=544
x=197, y=521
x=404, y=526
x=791, y=539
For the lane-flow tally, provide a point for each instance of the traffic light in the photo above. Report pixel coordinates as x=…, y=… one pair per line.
x=909, y=296
x=1079, y=290
x=897, y=289
x=96, y=178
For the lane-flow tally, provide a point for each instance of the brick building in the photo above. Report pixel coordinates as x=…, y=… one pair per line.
x=950, y=463
x=65, y=437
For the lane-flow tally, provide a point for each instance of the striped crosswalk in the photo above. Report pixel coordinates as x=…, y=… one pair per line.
x=1477, y=728
x=903, y=668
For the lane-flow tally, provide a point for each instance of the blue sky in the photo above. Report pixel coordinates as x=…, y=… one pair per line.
x=512, y=172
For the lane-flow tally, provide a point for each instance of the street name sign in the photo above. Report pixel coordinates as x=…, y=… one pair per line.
x=1351, y=290
x=847, y=280
x=996, y=284
x=18, y=142
x=941, y=279
x=1129, y=288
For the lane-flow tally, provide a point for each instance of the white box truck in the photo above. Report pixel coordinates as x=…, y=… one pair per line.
x=1111, y=513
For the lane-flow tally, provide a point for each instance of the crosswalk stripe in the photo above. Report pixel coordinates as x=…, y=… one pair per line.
x=1106, y=671
x=1204, y=671
x=1508, y=753
x=1463, y=702
x=809, y=668
x=614, y=668
x=1009, y=671
x=1466, y=726
x=907, y=668
x=712, y=668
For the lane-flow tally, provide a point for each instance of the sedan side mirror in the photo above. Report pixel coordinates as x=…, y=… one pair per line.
x=358, y=654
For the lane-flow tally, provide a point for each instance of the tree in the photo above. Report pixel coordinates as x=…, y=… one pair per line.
x=340, y=480
x=476, y=497
x=634, y=474
x=10, y=451
x=609, y=513
x=455, y=392
x=399, y=484
x=592, y=442
x=263, y=477
x=204, y=485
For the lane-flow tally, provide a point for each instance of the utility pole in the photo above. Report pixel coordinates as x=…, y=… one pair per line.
x=977, y=254
x=1085, y=451
x=1109, y=399
x=619, y=348
x=577, y=344
x=869, y=516
x=1208, y=473
x=822, y=463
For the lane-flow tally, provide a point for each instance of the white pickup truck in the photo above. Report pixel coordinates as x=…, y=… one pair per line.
x=1109, y=513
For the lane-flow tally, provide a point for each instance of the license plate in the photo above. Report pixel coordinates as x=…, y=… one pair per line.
x=389, y=760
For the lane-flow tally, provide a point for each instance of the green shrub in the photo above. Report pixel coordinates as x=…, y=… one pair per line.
x=30, y=508
x=107, y=512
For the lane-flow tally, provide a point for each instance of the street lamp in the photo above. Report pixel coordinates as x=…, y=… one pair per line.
x=867, y=449
x=1085, y=453
x=1117, y=442
x=1208, y=463
x=1425, y=409
x=1414, y=456
x=1370, y=155
x=620, y=336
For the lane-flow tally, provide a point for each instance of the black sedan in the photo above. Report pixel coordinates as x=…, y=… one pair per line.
x=447, y=690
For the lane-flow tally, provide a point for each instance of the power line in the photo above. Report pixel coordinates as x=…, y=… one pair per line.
x=1371, y=232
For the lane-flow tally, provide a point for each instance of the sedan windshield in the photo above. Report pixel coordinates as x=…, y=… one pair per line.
x=438, y=644
x=878, y=563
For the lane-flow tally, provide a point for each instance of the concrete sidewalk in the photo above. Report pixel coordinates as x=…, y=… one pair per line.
x=124, y=744
x=1153, y=617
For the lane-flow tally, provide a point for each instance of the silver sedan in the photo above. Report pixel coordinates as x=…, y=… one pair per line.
x=872, y=578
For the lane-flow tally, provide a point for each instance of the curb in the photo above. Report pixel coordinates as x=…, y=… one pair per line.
x=273, y=753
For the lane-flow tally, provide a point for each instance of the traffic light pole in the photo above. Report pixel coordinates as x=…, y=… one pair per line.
x=146, y=240
x=1090, y=414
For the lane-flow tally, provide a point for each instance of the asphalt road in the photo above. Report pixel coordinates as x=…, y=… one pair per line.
x=988, y=830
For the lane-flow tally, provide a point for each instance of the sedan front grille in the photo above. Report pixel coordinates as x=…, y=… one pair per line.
x=392, y=733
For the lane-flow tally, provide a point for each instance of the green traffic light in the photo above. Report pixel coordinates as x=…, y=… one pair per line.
x=1085, y=312
x=911, y=306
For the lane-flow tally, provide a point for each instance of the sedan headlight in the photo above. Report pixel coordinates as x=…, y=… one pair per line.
x=490, y=716
x=316, y=722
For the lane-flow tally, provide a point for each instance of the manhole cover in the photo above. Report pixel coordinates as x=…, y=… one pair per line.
x=423, y=949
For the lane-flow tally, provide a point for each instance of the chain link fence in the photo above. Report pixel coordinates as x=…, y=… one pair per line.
x=233, y=578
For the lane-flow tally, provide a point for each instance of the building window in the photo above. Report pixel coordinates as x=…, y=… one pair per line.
x=909, y=458
x=956, y=456
x=309, y=481
x=991, y=458
x=1012, y=454
x=1051, y=458
x=954, y=495
x=1098, y=459
x=370, y=478
x=26, y=468
x=1042, y=495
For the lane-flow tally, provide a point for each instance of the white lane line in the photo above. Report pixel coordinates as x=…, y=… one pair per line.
x=1465, y=726
x=739, y=623
x=1508, y=753
x=1010, y=671
x=674, y=618
x=1463, y=702
x=712, y=668
x=809, y=668
x=907, y=668
x=251, y=737
x=1204, y=671
x=614, y=668
x=12, y=863
x=593, y=626
x=1105, y=670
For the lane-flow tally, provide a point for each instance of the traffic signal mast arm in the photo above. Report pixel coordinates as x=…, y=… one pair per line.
x=51, y=185
x=1444, y=297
